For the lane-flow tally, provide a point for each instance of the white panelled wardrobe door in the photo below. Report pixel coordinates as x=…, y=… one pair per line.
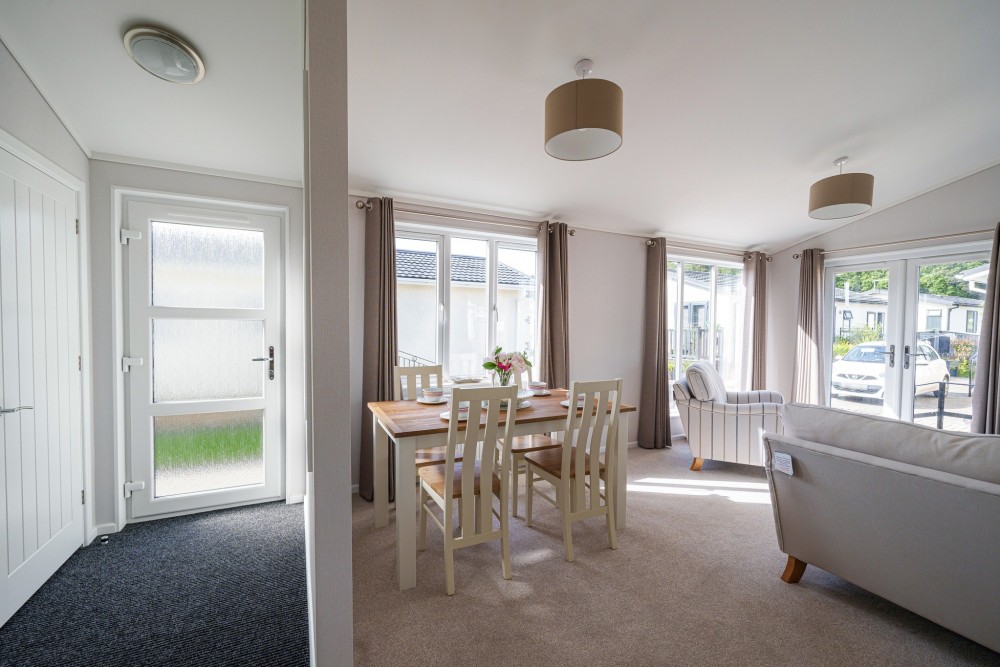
x=41, y=441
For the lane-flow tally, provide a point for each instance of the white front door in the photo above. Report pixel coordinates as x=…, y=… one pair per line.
x=203, y=357
x=41, y=437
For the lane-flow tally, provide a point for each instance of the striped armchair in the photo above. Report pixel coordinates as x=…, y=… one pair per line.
x=724, y=425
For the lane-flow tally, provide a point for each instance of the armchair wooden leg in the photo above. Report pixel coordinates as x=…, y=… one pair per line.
x=696, y=464
x=794, y=570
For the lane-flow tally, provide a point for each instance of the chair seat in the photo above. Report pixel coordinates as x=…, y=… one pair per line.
x=532, y=443
x=429, y=456
x=433, y=476
x=550, y=460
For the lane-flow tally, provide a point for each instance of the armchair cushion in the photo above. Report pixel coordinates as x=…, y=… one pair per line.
x=705, y=382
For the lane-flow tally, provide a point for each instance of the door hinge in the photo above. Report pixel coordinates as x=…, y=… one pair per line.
x=128, y=362
x=78, y=225
x=133, y=486
x=127, y=235
x=83, y=497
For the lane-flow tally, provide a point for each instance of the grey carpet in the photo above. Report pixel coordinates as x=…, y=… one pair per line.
x=213, y=589
x=693, y=582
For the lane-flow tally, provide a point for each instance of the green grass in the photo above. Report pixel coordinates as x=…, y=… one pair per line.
x=207, y=446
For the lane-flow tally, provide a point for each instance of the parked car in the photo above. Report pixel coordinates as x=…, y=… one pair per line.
x=861, y=372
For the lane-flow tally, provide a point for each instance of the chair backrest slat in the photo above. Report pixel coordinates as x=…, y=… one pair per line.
x=593, y=431
x=479, y=443
x=407, y=381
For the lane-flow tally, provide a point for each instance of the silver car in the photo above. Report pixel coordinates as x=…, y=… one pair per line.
x=861, y=372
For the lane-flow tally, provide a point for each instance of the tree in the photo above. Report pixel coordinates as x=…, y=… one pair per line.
x=940, y=279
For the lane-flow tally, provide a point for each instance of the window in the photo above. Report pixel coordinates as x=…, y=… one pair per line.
x=934, y=320
x=971, y=321
x=705, y=302
x=460, y=294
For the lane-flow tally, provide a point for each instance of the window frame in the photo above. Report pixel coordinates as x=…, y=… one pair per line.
x=971, y=317
x=678, y=357
x=443, y=238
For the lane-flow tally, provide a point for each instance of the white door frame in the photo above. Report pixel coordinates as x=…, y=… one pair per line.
x=121, y=196
x=901, y=315
x=30, y=156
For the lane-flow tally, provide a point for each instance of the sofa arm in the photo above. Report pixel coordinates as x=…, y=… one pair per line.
x=760, y=396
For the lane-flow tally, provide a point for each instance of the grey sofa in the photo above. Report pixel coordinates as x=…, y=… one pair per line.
x=907, y=512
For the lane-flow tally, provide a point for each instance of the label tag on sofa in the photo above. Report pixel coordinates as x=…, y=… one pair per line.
x=782, y=462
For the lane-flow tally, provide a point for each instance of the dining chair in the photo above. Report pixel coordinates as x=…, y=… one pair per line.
x=450, y=485
x=585, y=459
x=407, y=384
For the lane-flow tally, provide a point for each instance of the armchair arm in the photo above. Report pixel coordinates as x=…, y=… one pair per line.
x=760, y=396
x=736, y=408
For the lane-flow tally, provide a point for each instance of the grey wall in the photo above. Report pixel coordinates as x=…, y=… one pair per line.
x=969, y=204
x=607, y=281
x=105, y=176
x=25, y=114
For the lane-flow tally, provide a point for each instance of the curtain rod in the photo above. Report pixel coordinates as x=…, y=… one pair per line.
x=360, y=203
x=888, y=244
x=651, y=243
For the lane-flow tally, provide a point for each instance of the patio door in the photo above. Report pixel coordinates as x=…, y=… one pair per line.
x=903, y=334
x=204, y=363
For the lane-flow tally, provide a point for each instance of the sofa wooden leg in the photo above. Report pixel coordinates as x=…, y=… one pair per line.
x=696, y=464
x=794, y=570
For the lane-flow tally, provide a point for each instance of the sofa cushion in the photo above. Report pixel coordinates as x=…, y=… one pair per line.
x=681, y=390
x=705, y=382
x=968, y=455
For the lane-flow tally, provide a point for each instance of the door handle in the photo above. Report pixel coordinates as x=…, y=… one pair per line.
x=7, y=411
x=892, y=355
x=906, y=356
x=270, y=362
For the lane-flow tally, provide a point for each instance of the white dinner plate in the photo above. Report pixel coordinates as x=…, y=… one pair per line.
x=543, y=393
x=447, y=415
x=427, y=402
x=565, y=403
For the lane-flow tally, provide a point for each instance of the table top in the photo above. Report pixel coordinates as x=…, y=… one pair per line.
x=405, y=419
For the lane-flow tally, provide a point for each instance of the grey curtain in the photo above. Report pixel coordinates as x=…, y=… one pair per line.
x=808, y=381
x=380, y=330
x=985, y=395
x=553, y=357
x=654, y=403
x=755, y=321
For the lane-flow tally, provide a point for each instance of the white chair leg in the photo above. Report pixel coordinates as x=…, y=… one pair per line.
x=609, y=495
x=529, y=492
x=422, y=544
x=505, y=535
x=449, y=565
x=515, y=468
x=477, y=508
x=567, y=522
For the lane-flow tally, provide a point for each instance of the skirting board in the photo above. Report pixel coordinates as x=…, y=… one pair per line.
x=105, y=529
x=296, y=499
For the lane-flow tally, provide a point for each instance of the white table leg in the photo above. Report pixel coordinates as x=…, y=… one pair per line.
x=621, y=483
x=406, y=513
x=380, y=444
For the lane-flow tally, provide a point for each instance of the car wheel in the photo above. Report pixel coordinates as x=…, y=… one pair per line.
x=937, y=392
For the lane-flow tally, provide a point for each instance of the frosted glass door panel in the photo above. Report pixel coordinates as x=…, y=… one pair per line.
x=195, y=360
x=207, y=452
x=196, y=266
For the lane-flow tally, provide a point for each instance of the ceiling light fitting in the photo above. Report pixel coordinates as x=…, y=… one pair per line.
x=841, y=196
x=583, y=118
x=164, y=55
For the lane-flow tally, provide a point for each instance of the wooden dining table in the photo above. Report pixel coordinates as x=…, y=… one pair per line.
x=412, y=426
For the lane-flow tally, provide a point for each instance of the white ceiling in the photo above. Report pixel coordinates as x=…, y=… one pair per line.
x=245, y=116
x=732, y=108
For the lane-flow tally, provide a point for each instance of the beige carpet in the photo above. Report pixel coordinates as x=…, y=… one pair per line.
x=694, y=582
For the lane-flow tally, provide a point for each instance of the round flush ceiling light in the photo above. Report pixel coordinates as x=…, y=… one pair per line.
x=841, y=196
x=164, y=55
x=583, y=118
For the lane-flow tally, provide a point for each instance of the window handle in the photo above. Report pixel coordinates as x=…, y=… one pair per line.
x=7, y=411
x=270, y=362
x=892, y=356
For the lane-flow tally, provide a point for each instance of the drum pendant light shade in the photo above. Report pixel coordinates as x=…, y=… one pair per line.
x=841, y=196
x=583, y=120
